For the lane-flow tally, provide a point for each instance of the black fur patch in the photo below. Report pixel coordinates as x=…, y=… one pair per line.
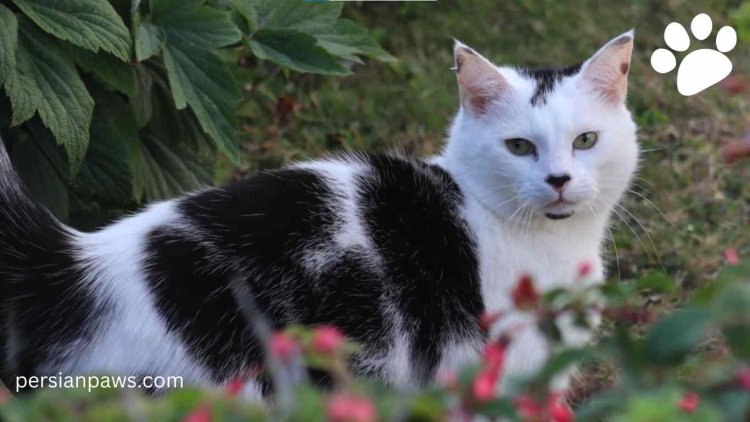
x=547, y=78
x=42, y=295
x=430, y=258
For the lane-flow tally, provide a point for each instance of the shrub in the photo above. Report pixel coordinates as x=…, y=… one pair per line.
x=116, y=103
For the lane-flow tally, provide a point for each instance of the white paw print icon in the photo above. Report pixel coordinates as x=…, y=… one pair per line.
x=701, y=68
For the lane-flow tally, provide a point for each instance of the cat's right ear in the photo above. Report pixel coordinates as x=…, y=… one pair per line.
x=479, y=81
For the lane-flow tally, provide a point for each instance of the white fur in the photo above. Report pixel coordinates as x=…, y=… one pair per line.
x=507, y=196
x=133, y=336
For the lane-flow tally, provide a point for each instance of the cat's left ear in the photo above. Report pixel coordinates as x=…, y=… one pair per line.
x=606, y=72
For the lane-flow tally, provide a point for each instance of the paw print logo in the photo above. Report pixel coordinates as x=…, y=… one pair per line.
x=702, y=68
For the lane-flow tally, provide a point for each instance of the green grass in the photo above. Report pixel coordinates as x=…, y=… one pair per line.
x=686, y=207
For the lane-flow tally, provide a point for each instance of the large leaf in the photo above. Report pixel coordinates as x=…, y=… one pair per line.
x=295, y=50
x=288, y=14
x=196, y=76
x=200, y=26
x=8, y=43
x=91, y=24
x=677, y=334
x=46, y=81
x=149, y=40
x=200, y=79
x=106, y=68
x=347, y=39
x=106, y=172
x=39, y=171
x=164, y=171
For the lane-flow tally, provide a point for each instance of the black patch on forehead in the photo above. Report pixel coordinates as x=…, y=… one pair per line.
x=546, y=79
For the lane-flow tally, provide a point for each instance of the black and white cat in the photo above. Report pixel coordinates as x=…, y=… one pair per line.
x=403, y=254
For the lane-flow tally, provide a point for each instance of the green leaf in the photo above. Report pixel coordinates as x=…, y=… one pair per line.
x=200, y=79
x=563, y=361
x=677, y=334
x=347, y=39
x=106, y=172
x=91, y=24
x=142, y=102
x=47, y=81
x=288, y=14
x=498, y=408
x=196, y=25
x=656, y=281
x=8, y=43
x=106, y=68
x=296, y=50
x=39, y=175
x=149, y=40
x=197, y=77
x=164, y=171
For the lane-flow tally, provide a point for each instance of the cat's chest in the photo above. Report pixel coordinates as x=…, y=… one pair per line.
x=551, y=259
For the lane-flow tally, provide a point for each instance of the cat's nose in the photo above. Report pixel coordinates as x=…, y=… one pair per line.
x=557, y=181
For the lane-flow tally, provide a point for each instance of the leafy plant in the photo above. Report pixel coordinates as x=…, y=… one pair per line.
x=106, y=105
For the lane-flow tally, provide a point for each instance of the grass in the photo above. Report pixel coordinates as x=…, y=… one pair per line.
x=686, y=206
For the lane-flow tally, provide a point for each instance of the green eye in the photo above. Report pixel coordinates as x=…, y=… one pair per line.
x=585, y=140
x=519, y=146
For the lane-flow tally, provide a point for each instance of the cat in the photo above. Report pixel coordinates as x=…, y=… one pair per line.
x=402, y=254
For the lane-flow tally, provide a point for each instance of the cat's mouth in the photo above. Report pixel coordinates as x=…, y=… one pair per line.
x=560, y=209
x=553, y=216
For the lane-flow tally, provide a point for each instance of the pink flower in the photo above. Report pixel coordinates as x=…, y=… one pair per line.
x=689, y=402
x=584, y=270
x=743, y=379
x=494, y=355
x=4, y=395
x=525, y=295
x=283, y=346
x=234, y=387
x=349, y=408
x=527, y=408
x=201, y=414
x=732, y=257
x=327, y=340
x=558, y=411
x=483, y=386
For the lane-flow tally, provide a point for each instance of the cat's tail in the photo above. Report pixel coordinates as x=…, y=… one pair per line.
x=32, y=241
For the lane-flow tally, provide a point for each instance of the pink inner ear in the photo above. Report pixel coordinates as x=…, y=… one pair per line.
x=607, y=72
x=479, y=81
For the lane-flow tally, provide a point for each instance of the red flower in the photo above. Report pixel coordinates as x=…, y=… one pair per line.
x=327, y=340
x=524, y=294
x=731, y=255
x=584, y=269
x=743, y=379
x=483, y=386
x=283, y=346
x=235, y=386
x=494, y=355
x=527, y=408
x=689, y=402
x=201, y=414
x=348, y=408
x=558, y=411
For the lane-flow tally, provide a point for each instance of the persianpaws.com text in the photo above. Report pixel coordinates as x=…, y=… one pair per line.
x=92, y=382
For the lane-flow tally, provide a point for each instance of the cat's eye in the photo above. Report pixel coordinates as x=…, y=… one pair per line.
x=585, y=140
x=519, y=146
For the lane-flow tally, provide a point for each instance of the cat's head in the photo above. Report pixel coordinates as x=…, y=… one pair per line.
x=545, y=143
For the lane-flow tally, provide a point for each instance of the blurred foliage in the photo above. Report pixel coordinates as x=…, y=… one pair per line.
x=141, y=95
